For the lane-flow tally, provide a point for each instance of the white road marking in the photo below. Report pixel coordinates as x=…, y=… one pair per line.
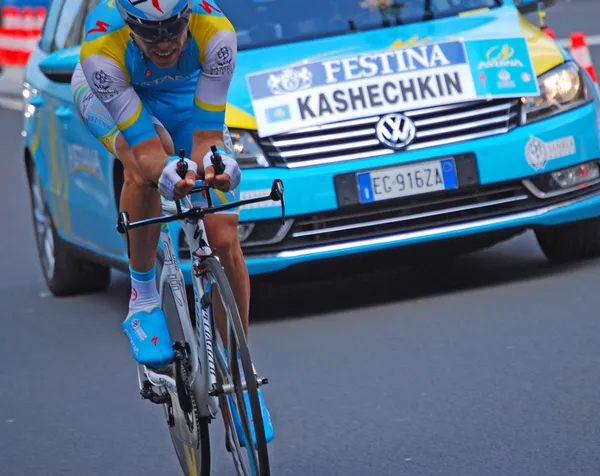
x=11, y=103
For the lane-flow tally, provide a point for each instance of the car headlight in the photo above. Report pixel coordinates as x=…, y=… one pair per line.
x=247, y=151
x=561, y=89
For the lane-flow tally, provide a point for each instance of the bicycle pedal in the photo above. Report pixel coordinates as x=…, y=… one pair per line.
x=148, y=394
x=216, y=390
x=262, y=381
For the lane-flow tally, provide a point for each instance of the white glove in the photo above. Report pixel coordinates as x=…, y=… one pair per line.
x=231, y=167
x=169, y=176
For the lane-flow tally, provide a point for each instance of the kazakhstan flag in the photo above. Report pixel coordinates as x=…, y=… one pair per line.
x=278, y=113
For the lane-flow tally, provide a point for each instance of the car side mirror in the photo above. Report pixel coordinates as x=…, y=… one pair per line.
x=530, y=6
x=60, y=65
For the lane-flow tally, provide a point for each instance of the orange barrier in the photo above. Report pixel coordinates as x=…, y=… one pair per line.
x=581, y=54
x=19, y=33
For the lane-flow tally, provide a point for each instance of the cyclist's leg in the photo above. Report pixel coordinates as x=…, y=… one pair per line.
x=145, y=324
x=173, y=109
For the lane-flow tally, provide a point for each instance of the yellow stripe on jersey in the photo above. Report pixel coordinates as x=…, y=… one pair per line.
x=129, y=122
x=79, y=90
x=209, y=107
x=112, y=45
x=203, y=27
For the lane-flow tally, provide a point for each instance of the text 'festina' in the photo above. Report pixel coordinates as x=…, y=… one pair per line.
x=383, y=63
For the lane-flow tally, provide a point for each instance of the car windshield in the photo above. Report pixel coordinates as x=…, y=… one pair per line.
x=271, y=22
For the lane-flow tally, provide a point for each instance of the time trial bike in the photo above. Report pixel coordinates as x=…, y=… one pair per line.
x=212, y=371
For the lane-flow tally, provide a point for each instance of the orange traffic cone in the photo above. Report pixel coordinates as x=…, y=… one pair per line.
x=581, y=54
x=11, y=34
x=549, y=32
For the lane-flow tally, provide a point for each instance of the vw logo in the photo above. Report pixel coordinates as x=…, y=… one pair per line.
x=396, y=131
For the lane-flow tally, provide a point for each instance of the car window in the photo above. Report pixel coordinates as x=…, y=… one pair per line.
x=54, y=9
x=69, y=23
x=273, y=22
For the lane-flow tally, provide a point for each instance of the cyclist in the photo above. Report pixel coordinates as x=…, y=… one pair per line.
x=152, y=79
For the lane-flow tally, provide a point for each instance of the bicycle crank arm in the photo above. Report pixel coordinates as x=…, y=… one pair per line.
x=160, y=380
x=149, y=394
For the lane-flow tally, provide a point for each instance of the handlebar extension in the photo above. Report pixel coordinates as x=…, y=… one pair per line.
x=124, y=224
x=182, y=166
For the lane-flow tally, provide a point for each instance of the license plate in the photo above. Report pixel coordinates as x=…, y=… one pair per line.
x=406, y=180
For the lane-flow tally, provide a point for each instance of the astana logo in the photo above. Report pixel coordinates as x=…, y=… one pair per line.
x=290, y=80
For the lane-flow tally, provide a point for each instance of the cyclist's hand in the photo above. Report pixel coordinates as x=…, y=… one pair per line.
x=171, y=185
x=231, y=176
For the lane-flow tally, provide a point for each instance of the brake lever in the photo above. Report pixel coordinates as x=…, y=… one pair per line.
x=216, y=161
x=182, y=166
x=123, y=228
x=277, y=196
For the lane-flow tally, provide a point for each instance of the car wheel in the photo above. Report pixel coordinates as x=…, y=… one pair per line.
x=64, y=273
x=572, y=242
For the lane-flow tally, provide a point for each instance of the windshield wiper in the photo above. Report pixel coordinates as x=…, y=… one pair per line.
x=397, y=6
x=427, y=12
x=393, y=12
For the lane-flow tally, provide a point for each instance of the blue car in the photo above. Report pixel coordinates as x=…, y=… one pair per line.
x=391, y=125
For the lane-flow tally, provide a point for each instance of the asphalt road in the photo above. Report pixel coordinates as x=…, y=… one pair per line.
x=481, y=365
x=572, y=15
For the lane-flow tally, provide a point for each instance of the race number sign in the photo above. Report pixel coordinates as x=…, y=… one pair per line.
x=391, y=80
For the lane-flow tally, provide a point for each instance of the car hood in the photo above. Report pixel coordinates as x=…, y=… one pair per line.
x=501, y=22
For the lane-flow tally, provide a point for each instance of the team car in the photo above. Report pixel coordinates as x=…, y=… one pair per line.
x=391, y=124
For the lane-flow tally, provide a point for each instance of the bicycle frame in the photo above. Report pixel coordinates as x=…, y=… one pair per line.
x=203, y=372
x=202, y=357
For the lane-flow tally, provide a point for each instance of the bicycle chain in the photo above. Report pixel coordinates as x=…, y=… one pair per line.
x=169, y=371
x=196, y=414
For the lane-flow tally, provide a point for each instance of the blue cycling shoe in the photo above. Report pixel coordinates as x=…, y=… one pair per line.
x=266, y=417
x=149, y=337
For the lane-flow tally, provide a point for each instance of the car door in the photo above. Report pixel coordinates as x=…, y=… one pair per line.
x=38, y=108
x=88, y=166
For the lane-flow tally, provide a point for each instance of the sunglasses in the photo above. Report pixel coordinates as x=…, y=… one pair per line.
x=154, y=32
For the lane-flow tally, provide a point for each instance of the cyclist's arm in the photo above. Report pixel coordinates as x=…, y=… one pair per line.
x=110, y=82
x=211, y=94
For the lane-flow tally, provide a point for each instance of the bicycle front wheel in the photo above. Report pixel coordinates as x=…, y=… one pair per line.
x=231, y=380
x=188, y=431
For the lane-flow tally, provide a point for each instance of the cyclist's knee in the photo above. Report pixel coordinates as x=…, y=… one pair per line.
x=222, y=233
x=134, y=178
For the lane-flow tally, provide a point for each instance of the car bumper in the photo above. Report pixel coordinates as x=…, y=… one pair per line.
x=501, y=162
x=572, y=210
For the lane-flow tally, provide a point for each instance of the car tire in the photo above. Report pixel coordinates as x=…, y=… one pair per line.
x=64, y=273
x=572, y=242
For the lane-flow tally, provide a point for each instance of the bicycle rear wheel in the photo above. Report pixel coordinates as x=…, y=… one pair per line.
x=230, y=380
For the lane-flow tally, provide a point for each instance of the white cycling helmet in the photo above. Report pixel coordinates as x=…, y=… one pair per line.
x=153, y=20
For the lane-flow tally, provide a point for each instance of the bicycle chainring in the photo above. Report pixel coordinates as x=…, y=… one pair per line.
x=191, y=418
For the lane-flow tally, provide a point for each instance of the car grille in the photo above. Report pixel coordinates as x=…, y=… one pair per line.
x=355, y=139
x=403, y=215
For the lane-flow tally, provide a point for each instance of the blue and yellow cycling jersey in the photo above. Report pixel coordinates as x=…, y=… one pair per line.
x=120, y=75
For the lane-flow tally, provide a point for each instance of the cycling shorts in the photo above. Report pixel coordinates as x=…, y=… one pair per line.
x=172, y=111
